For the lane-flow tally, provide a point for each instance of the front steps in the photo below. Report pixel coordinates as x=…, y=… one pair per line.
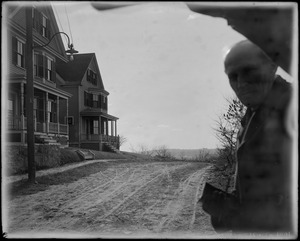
x=111, y=148
x=45, y=139
x=86, y=154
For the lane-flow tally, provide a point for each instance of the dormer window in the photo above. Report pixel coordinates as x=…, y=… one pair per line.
x=91, y=77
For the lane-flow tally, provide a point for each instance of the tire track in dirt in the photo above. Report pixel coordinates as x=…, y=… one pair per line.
x=134, y=186
x=181, y=210
x=152, y=197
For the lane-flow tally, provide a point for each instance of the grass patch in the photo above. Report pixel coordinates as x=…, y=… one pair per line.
x=22, y=187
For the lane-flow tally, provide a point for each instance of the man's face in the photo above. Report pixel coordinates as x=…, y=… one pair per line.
x=250, y=76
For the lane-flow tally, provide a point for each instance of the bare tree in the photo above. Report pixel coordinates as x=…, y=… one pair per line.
x=227, y=129
x=143, y=149
x=162, y=152
x=203, y=155
x=122, y=140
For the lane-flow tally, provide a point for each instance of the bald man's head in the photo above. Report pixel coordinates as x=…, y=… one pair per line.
x=250, y=71
x=247, y=48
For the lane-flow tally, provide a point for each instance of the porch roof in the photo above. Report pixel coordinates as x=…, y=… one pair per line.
x=95, y=112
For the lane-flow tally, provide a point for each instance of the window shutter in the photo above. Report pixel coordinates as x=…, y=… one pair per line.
x=24, y=55
x=95, y=79
x=85, y=98
x=40, y=63
x=14, y=50
x=35, y=19
x=53, y=72
x=99, y=101
x=91, y=100
x=45, y=66
x=48, y=33
x=89, y=75
x=40, y=23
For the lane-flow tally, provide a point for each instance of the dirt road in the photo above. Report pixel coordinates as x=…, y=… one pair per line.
x=156, y=199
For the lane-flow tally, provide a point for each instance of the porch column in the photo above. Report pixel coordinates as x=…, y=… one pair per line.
x=66, y=121
x=44, y=113
x=22, y=108
x=57, y=113
x=116, y=128
x=22, y=124
x=112, y=128
x=47, y=114
x=106, y=126
x=100, y=135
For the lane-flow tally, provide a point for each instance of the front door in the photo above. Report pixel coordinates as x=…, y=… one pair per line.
x=92, y=128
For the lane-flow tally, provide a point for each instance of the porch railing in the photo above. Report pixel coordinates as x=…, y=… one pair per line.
x=97, y=137
x=90, y=137
x=53, y=127
x=63, y=129
x=15, y=123
x=106, y=138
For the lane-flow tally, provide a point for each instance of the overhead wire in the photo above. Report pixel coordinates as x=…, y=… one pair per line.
x=68, y=23
x=59, y=22
x=58, y=18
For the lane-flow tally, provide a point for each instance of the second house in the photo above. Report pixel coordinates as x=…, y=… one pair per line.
x=90, y=125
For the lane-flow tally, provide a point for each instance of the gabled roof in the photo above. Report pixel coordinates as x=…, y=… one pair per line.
x=74, y=71
x=17, y=18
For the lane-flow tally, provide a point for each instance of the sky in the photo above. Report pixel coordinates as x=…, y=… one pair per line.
x=162, y=65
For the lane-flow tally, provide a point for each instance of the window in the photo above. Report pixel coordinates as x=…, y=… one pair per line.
x=43, y=67
x=44, y=26
x=92, y=100
x=18, y=52
x=95, y=127
x=48, y=70
x=95, y=101
x=88, y=98
x=91, y=77
x=38, y=109
x=51, y=111
x=104, y=99
x=70, y=120
x=41, y=23
x=35, y=22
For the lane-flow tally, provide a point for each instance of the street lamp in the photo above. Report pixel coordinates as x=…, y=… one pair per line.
x=71, y=49
x=30, y=90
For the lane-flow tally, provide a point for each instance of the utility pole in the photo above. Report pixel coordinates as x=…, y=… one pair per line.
x=30, y=96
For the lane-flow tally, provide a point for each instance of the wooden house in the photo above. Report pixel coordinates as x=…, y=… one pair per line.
x=50, y=103
x=90, y=125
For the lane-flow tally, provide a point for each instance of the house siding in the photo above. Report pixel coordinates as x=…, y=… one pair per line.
x=73, y=105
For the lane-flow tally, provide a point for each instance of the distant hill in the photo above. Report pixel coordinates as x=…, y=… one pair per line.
x=191, y=153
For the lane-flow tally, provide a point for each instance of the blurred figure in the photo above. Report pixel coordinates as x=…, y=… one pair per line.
x=263, y=176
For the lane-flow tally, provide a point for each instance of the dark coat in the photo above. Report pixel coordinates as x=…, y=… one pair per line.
x=264, y=165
